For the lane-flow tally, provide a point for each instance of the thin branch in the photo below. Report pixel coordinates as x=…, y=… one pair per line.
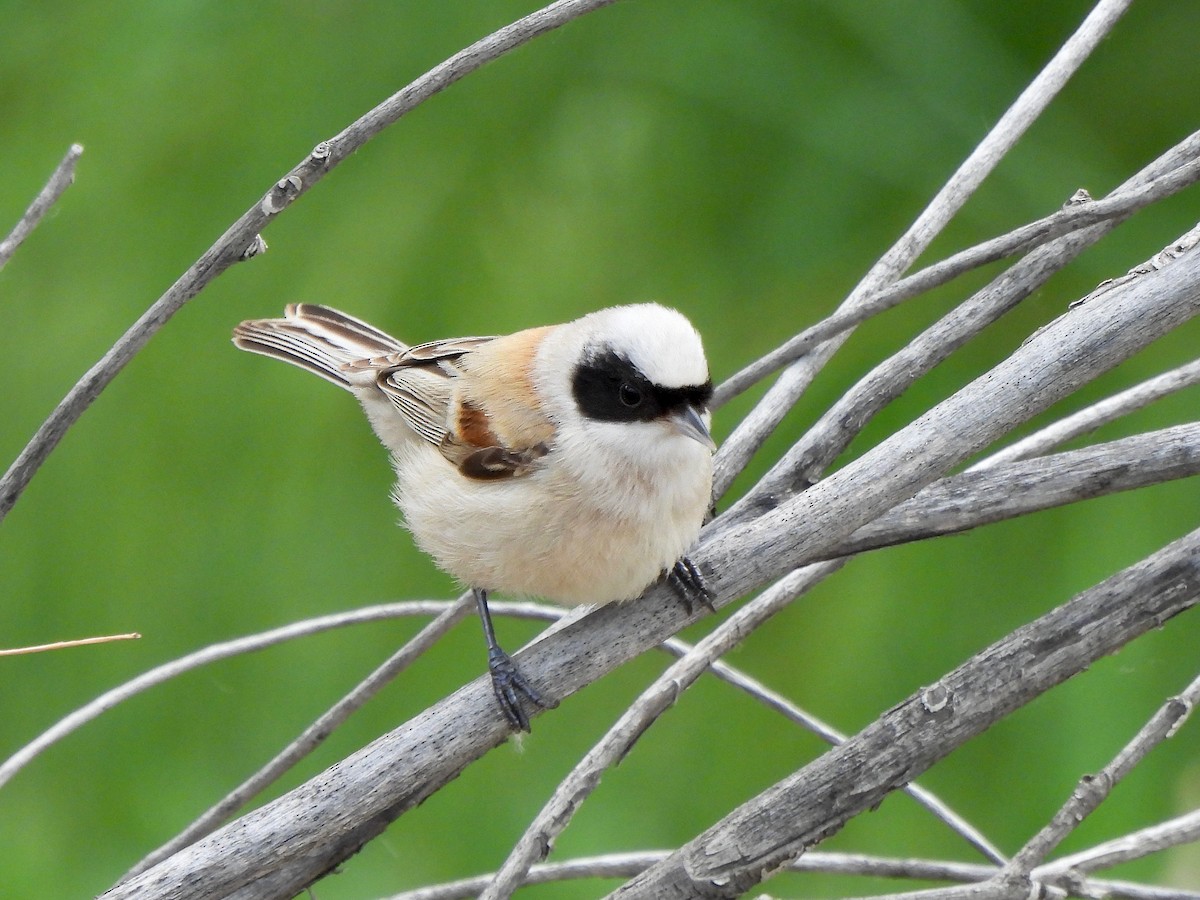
x=975, y=498
x=618, y=865
x=831, y=735
x=1089, y=419
x=63, y=645
x=203, y=657
x=626, y=865
x=948, y=201
x=1183, y=829
x=1093, y=790
x=242, y=239
x=535, y=843
x=807, y=460
x=61, y=179
x=1078, y=213
x=313, y=736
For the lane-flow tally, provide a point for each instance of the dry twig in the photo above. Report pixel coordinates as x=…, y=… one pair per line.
x=63, y=645
x=749, y=435
x=1021, y=877
x=61, y=179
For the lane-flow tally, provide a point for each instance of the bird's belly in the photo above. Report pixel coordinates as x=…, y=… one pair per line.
x=539, y=536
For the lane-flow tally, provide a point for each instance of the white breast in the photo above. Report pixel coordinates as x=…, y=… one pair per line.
x=570, y=534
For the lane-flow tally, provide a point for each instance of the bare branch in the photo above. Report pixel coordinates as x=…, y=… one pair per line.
x=746, y=439
x=1017, y=879
x=981, y=497
x=1098, y=414
x=61, y=179
x=535, y=843
x=1078, y=213
x=732, y=856
x=616, y=865
x=312, y=736
x=1137, y=845
x=242, y=239
x=210, y=654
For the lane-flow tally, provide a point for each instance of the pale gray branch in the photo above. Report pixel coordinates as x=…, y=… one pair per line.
x=312, y=736
x=1089, y=419
x=629, y=864
x=1078, y=213
x=807, y=460
x=615, y=865
x=980, y=497
x=754, y=840
x=1183, y=829
x=1025, y=875
x=612, y=865
x=61, y=179
x=534, y=845
x=945, y=205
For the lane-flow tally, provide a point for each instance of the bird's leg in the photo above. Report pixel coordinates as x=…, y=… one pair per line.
x=507, y=680
x=689, y=584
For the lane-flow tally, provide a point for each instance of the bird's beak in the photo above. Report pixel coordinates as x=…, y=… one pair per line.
x=690, y=423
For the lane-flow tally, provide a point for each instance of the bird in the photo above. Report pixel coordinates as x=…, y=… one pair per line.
x=571, y=462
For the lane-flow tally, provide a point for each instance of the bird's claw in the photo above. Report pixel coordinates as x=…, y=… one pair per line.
x=688, y=583
x=510, y=685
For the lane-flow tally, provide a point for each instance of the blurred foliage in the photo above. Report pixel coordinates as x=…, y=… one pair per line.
x=744, y=161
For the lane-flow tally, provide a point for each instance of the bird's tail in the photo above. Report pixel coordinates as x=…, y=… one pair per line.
x=316, y=338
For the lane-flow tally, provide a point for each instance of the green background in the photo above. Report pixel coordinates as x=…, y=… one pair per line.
x=743, y=161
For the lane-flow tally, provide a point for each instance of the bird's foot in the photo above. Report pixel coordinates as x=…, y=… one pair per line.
x=510, y=686
x=688, y=583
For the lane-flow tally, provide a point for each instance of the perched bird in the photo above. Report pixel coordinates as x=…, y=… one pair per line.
x=571, y=462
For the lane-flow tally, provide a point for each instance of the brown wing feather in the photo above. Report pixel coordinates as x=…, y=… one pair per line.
x=491, y=463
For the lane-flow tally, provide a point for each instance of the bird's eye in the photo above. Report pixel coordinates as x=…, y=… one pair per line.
x=629, y=395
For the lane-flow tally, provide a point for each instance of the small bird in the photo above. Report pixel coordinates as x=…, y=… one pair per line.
x=571, y=462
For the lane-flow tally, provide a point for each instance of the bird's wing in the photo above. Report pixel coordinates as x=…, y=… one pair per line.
x=420, y=383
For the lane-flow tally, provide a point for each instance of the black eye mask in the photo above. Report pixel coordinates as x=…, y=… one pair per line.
x=609, y=388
